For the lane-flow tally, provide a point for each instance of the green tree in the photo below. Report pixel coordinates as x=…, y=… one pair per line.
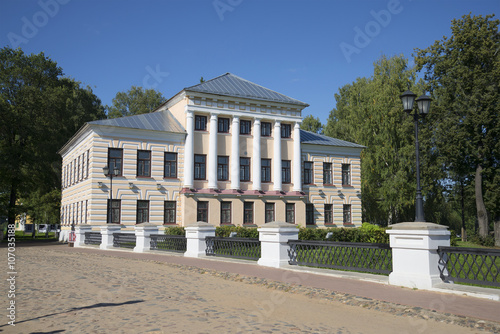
x=463, y=75
x=311, y=123
x=39, y=112
x=135, y=101
x=369, y=112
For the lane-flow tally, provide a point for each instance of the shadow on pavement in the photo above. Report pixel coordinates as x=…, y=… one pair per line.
x=78, y=309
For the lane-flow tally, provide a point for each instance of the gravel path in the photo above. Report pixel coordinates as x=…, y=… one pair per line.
x=68, y=292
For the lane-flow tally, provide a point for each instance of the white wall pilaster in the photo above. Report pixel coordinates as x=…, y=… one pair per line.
x=189, y=151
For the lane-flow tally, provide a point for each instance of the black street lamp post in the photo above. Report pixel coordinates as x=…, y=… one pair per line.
x=424, y=103
x=106, y=172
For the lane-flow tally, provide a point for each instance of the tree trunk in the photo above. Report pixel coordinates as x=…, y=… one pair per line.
x=462, y=204
x=11, y=211
x=482, y=216
x=496, y=227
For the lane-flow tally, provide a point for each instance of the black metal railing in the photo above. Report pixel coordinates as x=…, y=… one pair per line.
x=365, y=257
x=125, y=240
x=240, y=248
x=93, y=238
x=470, y=265
x=172, y=243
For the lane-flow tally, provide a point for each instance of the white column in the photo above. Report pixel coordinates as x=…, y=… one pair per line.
x=256, y=172
x=80, y=234
x=189, y=151
x=277, y=157
x=195, y=238
x=212, y=153
x=274, y=238
x=235, y=154
x=143, y=236
x=107, y=235
x=414, y=254
x=297, y=163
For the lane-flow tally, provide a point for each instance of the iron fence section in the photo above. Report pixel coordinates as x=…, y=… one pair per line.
x=172, y=243
x=125, y=240
x=93, y=238
x=240, y=248
x=365, y=257
x=470, y=265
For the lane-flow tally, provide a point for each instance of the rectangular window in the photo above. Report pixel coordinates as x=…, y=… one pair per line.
x=223, y=125
x=290, y=213
x=200, y=123
x=142, y=212
x=245, y=127
x=225, y=212
x=346, y=174
x=286, y=171
x=265, y=170
x=143, y=163
x=327, y=173
x=328, y=214
x=265, y=129
x=248, y=213
x=202, y=212
x=74, y=171
x=115, y=158
x=200, y=166
x=309, y=214
x=169, y=212
x=88, y=162
x=78, y=171
x=269, y=212
x=244, y=169
x=170, y=165
x=114, y=212
x=83, y=166
x=347, y=214
x=308, y=172
x=222, y=168
x=86, y=210
x=286, y=130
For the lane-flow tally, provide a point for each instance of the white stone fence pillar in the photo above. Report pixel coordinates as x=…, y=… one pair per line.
x=414, y=254
x=195, y=238
x=143, y=236
x=274, y=238
x=80, y=234
x=107, y=235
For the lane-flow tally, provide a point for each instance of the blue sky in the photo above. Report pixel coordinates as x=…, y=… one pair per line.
x=304, y=49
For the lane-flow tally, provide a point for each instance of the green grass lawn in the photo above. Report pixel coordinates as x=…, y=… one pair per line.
x=25, y=237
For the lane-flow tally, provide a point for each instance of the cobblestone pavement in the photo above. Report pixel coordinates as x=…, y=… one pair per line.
x=69, y=292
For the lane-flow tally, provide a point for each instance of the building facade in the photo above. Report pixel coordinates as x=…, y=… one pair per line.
x=226, y=151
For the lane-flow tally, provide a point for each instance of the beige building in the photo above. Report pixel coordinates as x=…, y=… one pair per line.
x=226, y=151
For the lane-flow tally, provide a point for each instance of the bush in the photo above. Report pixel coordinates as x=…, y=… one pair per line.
x=366, y=233
x=242, y=232
x=488, y=241
x=175, y=230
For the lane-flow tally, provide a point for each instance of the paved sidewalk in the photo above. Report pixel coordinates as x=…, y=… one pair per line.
x=361, y=285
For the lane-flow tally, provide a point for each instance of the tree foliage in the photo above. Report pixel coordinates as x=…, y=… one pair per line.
x=311, y=123
x=39, y=111
x=463, y=74
x=135, y=101
x=369, y=112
